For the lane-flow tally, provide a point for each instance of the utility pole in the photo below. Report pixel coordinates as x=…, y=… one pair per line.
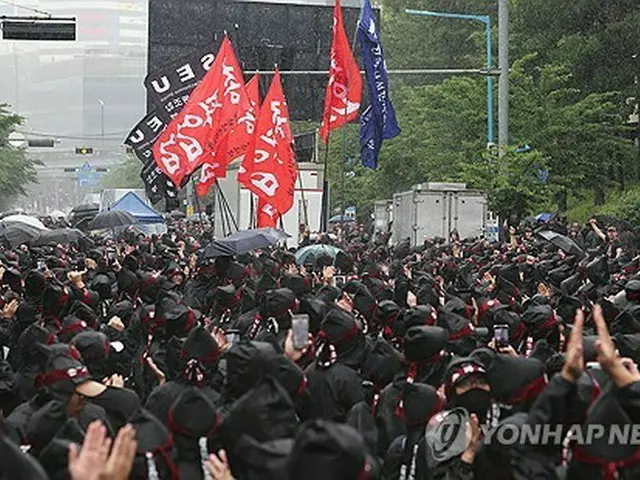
x=503, y=82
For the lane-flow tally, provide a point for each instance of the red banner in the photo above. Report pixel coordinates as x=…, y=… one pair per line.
x=270, y=165
x=267, y=215
x=242, y=134
x=342, y=97
x=214, y=109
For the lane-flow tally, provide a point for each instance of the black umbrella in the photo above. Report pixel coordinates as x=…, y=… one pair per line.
x=15, y=234
x=112, y=219
x=60, y=235
x=244, y=241
x=562, y=242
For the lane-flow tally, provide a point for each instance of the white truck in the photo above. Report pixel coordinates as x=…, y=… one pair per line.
x=308, y=192
x=436, y=209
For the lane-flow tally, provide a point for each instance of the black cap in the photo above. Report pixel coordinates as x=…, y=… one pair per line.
x=193, y=415
x=328, y=450
x=420, y=403
x=516, y=380
x=423, y=343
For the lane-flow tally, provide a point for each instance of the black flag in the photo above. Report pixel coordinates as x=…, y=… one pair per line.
x=169, y=86
x=141, y=139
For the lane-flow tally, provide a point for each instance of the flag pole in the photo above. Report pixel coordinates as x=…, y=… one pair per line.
x=344, y=144
x=324, y=218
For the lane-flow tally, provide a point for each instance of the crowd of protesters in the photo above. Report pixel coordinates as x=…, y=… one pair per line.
x=138, y=357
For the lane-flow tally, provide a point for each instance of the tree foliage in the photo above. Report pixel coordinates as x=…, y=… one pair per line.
x=571, y=76
x=17, y=169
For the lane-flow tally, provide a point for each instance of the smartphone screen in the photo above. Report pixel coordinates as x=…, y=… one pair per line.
x=501, y=335
x=41, y=265
x=300, y=327
x=340, y=280
x=232, y=336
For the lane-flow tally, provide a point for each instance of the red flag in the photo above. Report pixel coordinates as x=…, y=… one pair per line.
x=241, y=136
x=213, y=109
x=342, y=97
x=271, y=165
x=267, y=215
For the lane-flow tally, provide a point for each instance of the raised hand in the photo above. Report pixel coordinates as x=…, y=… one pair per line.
x=574, y=361
x=87, y=462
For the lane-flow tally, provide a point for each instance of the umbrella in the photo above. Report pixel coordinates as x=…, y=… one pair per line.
x=27, y=220
x=544, y=217
x=112, y=219
x=60, y=235
x=15, y=234
x=86, y=208
x=311, y=252
x=244, y=241
x=341, y=219
x=57, y=214
x=562, y=242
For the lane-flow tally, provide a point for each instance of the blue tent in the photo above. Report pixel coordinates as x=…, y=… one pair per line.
x=137, y=207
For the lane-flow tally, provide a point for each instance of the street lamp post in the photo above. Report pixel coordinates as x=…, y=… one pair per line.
x=101, y=121
x=486, y=20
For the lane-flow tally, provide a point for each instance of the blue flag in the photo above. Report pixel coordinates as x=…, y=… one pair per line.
x=378, y=121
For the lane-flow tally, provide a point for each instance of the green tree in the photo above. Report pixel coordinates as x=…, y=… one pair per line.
x=17, y=169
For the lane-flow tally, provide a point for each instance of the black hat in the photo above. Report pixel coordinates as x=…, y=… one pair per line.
x=423, y=343
x=539, y=318
x=193, y=415
x=202, y=347
x=515, y=380
x=84, y=312
x=632, y=290
x=605, y=453
x=626, y=322
x=299, y=284
x=177, y=318
x=559, y=275
x=419, y=316
x=364, y=302
x=247, y=363
x=457, y=306
x=386, y=313
x=16, y=464
x=226, y=298
x=266, y=282
x=262, y=460
x=328, y=450
x=343, y=262
x=149, y=286
x=316, y=309
x=55, y=298
x=34, y=284
x=571, y=285
x=54, y=456
x=381, y=363
x=456, y=326
x=265, y=412
x=339, y=328
x=128, y=282
x=566, y=307
x=278, y=303
x=460, y=369
x=70, y=327
x=420, y=402
x=122, y=310
x=28, y=344
x=629, y=346
x=63, y=370
x=102, y=284
x=93, y=346
x=329, y=293
x=597, y=271
x=155, y=447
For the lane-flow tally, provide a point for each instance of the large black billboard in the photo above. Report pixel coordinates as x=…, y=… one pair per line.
x=296, y=36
